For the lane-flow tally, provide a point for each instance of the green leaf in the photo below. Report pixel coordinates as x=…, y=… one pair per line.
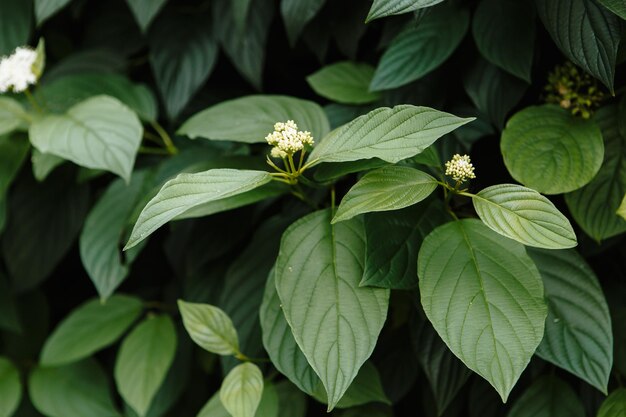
x=329, y=172
x=9, y=316
x=585, y=32
x=621, y=210
x=504, y=32
x=365, y=388
x=188, y=191
x=393, y=242
x=484, y=296
x=90, y=328
x=578, y=335
x=13, y=151
x=145, y=11
x=382, y=8
x=77, y=390
x=249, y=119
x=318, y=271
x=594, y=206
x=241, y=9
x=44, y=9
x=44, y=164
x=210, y=328
x=614, y=405
x=98, y=133
x=242, y=389
x=12, y=115
x=67, y=91
x=10, y=388
x=391, y=134
x=493, y=91
x=344, y=82
x=292, y=402
x=387, y=188
x=103, y=230
x=268, y=407
x=548, y=397
x=551, y=151
x=182, y=55
x=524, y=215
x=616, y=6
x=15, y=24
x=143, y=360
x=214, y=408
x=416, y=51
x=296, y=14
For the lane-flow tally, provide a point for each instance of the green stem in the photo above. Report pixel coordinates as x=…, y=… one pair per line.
x=167, y=140
x=32, y=101
x=153, y=151
x=245, y=358
x=332, y=201
x=273, y=165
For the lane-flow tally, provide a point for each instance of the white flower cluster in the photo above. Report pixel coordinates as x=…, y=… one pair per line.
x=16, y=70
x=460, y=168
x=286, y=139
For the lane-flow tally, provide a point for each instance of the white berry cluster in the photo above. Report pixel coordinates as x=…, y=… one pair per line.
x=286, y=139
x=460, y=168
x=16, y=70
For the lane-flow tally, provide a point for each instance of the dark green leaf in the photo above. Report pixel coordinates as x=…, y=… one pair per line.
x=10, y=387
x=296, y=14
x=614, y=405
x=15, y=24
x=548, y=397
x=382, y=8
x=145, y=11
x=616, y=6
x=44, y=9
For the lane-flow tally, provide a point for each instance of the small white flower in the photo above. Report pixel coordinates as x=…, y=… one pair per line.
x=16, y=70
x=460, y=168
x=286, y=139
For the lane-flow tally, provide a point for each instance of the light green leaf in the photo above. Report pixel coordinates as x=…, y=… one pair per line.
x=391, y=134
x=249, y=119
x=104, y=227
x=188, y=191
x=90, y=328
x=214, y=408
x=145, y=11
x=616, y=6
x=268, y=407
x=585, y=32
x=210, y=328
x=393, y=242
x=504, y=31
x=143, y=360
x=12, y=115
x=98, y=133
x=594, y=206
x=10, y=388
x=484, y=296
x=296, y=14
x=182, y=55
x=524, y=215
x=551, y=151
x=387, y=188
x=242, y=389
x=621, y=210
x=44, y=9
x=578, y=335
x=614, y=405
x=382, y=8
x=548, y=397
x=344, y=82
x=77, y=390
x=318, y=271
x=418, y=50
x=15, y=24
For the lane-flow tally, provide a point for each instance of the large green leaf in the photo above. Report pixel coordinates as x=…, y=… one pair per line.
x=15, y=24
x=524, y=215
x=318, y=271
x=344, y=82
x=578, y=335
x=143, y=360
x=387, y=188
x=249, y=119
x=548, y=397
x=551, y=151
x=10, y=387
x=89, y=328
x=182, y=55
x=614, y=405
x=391, y=134
x=382, y=8
x=98, y=133
x=103, y=230
x=594, y=206
x=12, y=115
x=484, y=296
x=616, y=6
x=210, y=328
x=416, y=51
x=504, y=31
x=145, y=11
x=585, y=32
x=242, y=389
x=77, y=390
x=189, y=191
x=296, y=14
x=44, y=9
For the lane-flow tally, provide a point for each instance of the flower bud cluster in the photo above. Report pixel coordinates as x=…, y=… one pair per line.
x=17, y=70
x=286, y=139
x=460, y=168
x=574, y=90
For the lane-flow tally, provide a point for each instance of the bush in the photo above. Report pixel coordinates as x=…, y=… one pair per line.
x=278, y=209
